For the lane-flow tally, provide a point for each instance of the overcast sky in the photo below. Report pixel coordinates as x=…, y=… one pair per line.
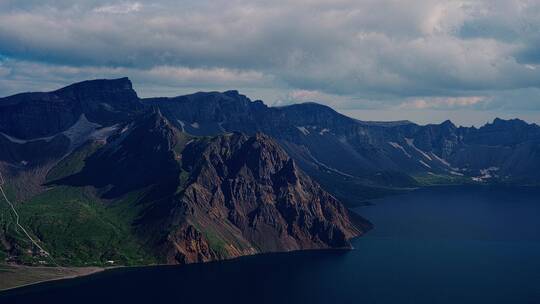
x=425, y=61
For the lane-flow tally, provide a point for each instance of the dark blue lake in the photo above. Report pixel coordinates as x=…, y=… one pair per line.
x=439, y=245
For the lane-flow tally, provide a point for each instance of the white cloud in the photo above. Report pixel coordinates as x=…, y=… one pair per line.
x=120, y=8
x=443, y=102
x=346, y=53
x=24, y=76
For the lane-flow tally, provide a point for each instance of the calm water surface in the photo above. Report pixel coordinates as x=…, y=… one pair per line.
x=441, y=245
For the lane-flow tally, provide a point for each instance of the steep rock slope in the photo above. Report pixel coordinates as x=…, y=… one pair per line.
x=35, y=115
x=353, y=159
x=331, y=146
x=215, y=198
x=249, y=196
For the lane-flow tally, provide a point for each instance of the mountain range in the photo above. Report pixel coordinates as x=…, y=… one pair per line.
x=100, y=175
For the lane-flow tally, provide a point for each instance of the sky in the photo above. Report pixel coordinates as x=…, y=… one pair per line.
x=424, y=61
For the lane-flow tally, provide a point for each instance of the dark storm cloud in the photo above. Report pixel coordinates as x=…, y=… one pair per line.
x=354, y=54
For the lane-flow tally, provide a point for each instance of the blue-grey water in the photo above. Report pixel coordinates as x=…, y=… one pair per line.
x=439, y=245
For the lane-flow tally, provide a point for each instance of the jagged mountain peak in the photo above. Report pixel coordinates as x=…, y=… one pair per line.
x=509, y=122
x=448, y=124
x=152, y=118
x=232, y=93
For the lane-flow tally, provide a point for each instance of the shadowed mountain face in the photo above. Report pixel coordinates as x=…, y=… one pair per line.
x=139, y=154
x=214, y=198
x=331, y=146
x=177, y=197
x=349, y=157
x=34, y=115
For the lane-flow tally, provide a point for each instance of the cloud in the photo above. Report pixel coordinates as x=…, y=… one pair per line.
x=24, y=75
x=120, y=8
x=443, y=102
x=352, y=54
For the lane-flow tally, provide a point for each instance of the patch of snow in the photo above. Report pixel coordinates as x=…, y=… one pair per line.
x=182, y=125
x=442, y=160
x=323, y=131
x=410, y=142
x=456, y=173
x=24, y=141
x=195, y=125
x=423, y=163
x=330, y=168
x=108, y=107
x=80, y=131
x=124, y=129
x=303, y=130
x=104, y=133
x=486, y=173
x=399, y=147
x=220, y=126
x=77, y=133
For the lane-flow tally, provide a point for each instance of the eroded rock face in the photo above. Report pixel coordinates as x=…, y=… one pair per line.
x=188, y=245
x=34, y=115
x=210, y=198
x=328, y=144
x=247, y=196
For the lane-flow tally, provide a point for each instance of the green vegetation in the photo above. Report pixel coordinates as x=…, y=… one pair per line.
x=77, y=229
x=183, y=180
x=73, y=163
x=216, y=243
x=10, y=233
x=181, y=141
x=432, y=179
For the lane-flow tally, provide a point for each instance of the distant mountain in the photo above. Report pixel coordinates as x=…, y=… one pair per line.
x=35, y=115
x=346, y=154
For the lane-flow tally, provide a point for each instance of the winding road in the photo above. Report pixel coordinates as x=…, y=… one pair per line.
x=17, y=221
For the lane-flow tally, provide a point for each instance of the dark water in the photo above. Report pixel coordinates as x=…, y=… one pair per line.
x=444, y=245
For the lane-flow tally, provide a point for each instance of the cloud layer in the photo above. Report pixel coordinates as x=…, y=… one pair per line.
x=353, y=54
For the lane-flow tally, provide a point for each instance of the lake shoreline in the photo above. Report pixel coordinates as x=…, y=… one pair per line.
x=24, y=273
x=445, y=245
x=96, y=269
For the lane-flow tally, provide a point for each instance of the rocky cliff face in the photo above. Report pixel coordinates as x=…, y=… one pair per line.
x=215, y=198
x=332, y=146
x=35, y=115
x=248, y=196
x=349, y=157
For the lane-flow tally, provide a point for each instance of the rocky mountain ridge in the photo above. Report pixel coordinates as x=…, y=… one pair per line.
x=187, y=198
x=349, y=157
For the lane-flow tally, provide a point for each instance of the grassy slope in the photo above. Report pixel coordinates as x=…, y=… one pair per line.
x=79, y=230
x=442, y=180
x=73, y=163
x=76, y=227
